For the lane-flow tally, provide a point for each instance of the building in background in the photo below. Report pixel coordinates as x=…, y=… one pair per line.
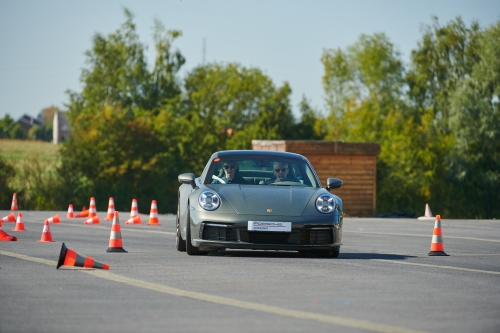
x=61, y=129
x=27, y=122
x=354, y=163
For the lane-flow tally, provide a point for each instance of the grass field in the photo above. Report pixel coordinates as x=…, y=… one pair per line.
x=18, y=151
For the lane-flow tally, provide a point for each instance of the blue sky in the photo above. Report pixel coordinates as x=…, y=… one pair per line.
x=42, y=43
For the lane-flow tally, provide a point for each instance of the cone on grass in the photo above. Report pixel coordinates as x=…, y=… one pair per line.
x=71, y=213
x=134, y=210
x=13, y=206
x=46, y=234
x=54, y=219
x=93, y=220
x=437, y=245
x=111, y=210
x=134, y=220
x=428, y=214
x=68, y=257
x=5, y=237
x=83, y=213
x=153, y=214
x=115, y=238
x=92, y=208
x=9, y=218
x=19, y=223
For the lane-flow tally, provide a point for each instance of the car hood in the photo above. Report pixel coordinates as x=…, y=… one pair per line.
x=258, y=200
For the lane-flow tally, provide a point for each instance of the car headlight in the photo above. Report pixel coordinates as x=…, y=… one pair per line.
x=209, y=200
x=325, y=203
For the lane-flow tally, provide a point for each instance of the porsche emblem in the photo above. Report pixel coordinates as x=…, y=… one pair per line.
x=269, y=210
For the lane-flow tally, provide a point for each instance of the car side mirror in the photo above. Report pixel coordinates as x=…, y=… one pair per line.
x=187, y=178
x=332, y=183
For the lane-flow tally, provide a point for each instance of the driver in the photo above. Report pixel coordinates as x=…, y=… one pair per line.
x=230, y=174
x=280, y=173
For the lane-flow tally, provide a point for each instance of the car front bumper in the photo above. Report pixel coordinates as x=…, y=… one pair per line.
x=308, y=233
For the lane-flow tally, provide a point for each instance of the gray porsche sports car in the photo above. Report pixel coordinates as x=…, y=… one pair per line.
x=261, y=200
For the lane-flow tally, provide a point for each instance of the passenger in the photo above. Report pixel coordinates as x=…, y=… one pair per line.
x=229, y=174
x=281, y=172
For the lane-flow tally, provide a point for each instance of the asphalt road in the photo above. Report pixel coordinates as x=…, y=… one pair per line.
x=383, y=281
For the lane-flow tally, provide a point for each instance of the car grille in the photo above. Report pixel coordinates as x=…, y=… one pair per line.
x=268, y=237
x=226, y=233
x=219, y=234
x=316, y=236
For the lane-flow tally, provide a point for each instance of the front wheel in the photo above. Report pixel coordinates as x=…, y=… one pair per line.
x=333, y=253
x=179, y=242
x=190, y=249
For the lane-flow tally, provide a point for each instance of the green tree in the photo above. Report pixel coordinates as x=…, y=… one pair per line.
x=7, y=173
x=225, y=107
x=115, y=148
x=310, y=126
x=9, y=129
x=474, y=121
x=443, y=58
x=362, y=85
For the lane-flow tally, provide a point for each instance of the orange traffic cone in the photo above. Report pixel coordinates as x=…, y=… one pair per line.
x=93, y=220
x=19, y=223
x=153, y=214
x=428, y=214
x=134, y=220
x=9, y=218
x=83, y=213
x=54, y=219
x=115, y=238
x=69, y=257
x=134, y=210
x=14, y=202
x=437, y=246
x=92, y=209
x=46, y=234
x=5, y=237
x=111, y=209
x=71, y=213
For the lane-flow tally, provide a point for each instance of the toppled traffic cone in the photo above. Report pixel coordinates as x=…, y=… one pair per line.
x=9, y=218
x=134, y=220
x=5, y=237
x=115, y=238
x=111, y=209
x=92, y=209
x=19, y=223
x=68, y=257
x=46, y=234
x=134, y=210
x=437, y=245
x=153, y=214
x=54, y=219
x=71, y=213
x=428, y=214
x=13, y=206
x=83, y=213
x=93, y=220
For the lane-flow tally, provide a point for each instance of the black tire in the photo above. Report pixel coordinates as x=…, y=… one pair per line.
x=190, y=249
x=179, y=242
x=333, y=253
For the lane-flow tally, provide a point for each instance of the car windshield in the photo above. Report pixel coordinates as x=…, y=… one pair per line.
x=261, y=171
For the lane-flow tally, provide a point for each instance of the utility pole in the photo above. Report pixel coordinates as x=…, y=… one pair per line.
x=204, y=51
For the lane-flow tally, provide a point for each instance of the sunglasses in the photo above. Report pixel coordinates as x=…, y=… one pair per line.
x=280, y=170
x=229, y=167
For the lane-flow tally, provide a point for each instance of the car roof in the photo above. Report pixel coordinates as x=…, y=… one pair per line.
x=264, y=153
